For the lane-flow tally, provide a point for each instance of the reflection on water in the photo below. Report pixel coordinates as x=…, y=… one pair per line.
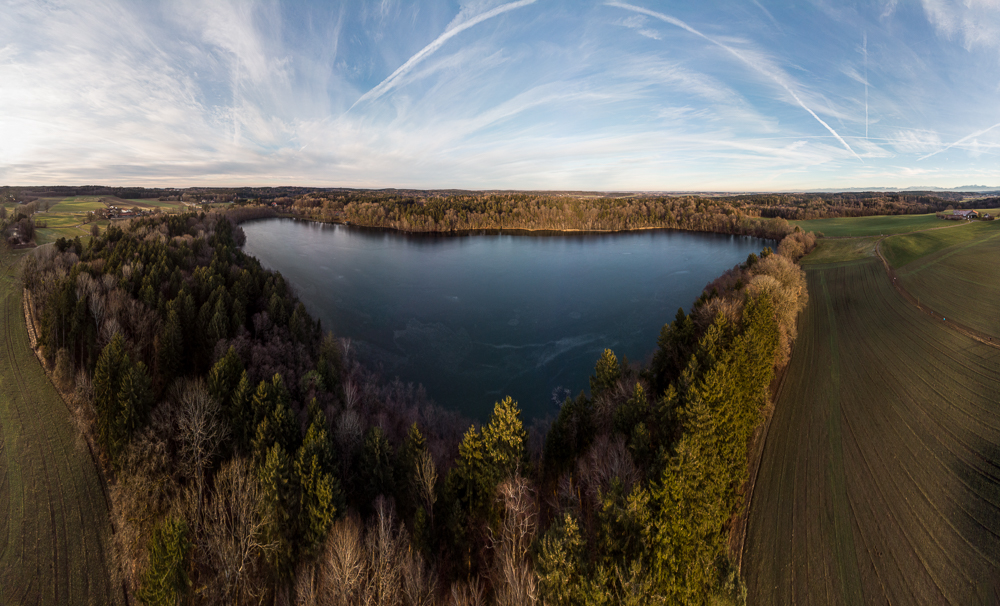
x=478, y=317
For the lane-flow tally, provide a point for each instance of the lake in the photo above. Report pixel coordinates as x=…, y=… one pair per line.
x=477, y=317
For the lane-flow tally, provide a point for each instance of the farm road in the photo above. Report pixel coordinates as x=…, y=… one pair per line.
x=54, y=523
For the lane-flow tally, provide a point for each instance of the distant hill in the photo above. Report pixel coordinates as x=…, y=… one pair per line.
x=963, y=188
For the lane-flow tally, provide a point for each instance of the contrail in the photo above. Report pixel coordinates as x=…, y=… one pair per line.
x=960, y=141
x=865, y=47
x=756, y=67
x=387, y=84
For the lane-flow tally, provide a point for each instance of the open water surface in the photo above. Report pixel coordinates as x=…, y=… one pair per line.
x=477, y=317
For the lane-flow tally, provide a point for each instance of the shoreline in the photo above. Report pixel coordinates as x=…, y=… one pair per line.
x=496, y=231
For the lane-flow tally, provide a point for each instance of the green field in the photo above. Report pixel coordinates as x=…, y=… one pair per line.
x=880, y=477
x=54, y=523
x=901, y=250
x=960, y=282
x=840, y=250
x=870, y=226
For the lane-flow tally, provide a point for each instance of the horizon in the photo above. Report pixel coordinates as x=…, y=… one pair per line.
x=527, y=95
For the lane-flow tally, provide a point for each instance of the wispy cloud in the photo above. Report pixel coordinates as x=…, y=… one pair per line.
x=177, y=92
x=755, y=63
x=977, y=22
x=396, y=76
x=978, y=133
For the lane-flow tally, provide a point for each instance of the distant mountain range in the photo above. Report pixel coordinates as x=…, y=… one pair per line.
x=963, y=188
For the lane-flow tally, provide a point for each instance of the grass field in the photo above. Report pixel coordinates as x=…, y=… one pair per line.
x=54, y=524
x=904, y=249
x=960, y=282
x=880, y=478
x=869, y=226
x=840, y=250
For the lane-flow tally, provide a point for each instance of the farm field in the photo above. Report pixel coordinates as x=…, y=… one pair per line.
x=904, y=249
x=54, y=523
x=880, y=477
x=869, y=226
x=840, y=250
x=960, y=282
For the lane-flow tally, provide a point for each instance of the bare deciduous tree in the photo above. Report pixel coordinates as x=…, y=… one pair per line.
x=426, y=480
x=234, y=534
x=513, y=576
x=343, y=562
x=200, y=432
x=471, y=593
x=383, y=547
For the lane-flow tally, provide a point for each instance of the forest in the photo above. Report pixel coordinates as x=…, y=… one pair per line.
x=761, y=215
x=252, y=459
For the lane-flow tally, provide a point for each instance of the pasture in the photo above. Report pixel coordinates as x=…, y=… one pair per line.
x=54, y=523
x=880, y=477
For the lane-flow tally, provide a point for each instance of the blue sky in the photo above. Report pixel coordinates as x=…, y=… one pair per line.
x=481, y=94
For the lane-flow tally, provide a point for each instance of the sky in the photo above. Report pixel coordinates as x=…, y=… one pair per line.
x=636, y=95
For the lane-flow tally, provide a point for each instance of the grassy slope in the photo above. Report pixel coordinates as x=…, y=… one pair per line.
x=869, y=226
x=961, y=282
x=54, y=525
x=901, y=250
x=880, y=479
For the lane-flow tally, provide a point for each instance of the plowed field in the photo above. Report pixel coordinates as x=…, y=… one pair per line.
x=880, y=477
x=54, y=525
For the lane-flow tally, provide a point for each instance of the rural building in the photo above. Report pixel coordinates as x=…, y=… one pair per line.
x=966, y=214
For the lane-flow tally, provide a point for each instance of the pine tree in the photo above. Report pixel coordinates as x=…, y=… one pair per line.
x=606, y=373
x=169, y=355
x=165, y=581
x=377, y=474
x=224, y=377
x=278, y=498
x=504, y=441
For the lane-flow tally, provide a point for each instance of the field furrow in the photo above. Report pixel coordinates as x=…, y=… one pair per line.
x=55, y=519
x=896, y=419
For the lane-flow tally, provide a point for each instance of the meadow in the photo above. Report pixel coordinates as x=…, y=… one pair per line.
x=54, y=523
x=880, y=477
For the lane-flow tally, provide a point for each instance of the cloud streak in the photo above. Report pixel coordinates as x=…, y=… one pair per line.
x=393, y=80
x=960, y=141
x=757, y=66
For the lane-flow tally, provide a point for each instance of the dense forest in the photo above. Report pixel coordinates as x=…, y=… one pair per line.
x=251, y=459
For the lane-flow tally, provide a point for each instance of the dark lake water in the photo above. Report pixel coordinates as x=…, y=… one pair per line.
x=475, y=318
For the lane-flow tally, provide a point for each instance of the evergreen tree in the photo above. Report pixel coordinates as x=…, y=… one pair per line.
x=275, y=476
x=321, y=497
x=376, y=470
x=562, y=565
x=504, y=442
x=224, y=377
x=170, y=351
x=165, y=581
x=606, y=373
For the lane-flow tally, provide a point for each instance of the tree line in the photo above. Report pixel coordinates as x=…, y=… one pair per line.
x=761, y=215
x=252, y=459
